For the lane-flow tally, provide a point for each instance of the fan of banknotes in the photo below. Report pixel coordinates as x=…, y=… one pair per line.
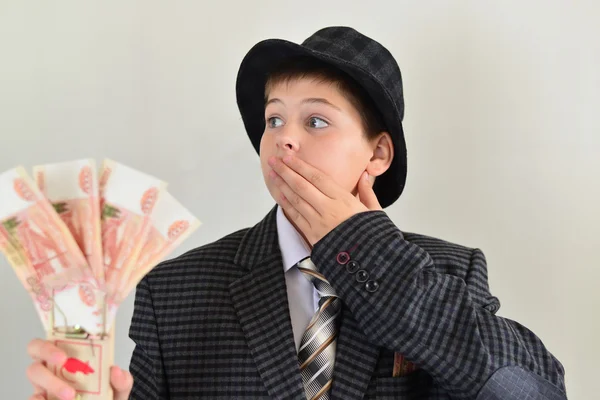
x=81, y=236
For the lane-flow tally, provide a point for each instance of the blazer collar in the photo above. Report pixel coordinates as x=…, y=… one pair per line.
x=260, y=241
x=260, y=300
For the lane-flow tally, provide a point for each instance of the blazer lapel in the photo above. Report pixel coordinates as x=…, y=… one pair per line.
x=260, y=300
x=355, y=360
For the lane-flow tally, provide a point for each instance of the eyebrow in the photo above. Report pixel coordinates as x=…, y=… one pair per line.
x=311, y=100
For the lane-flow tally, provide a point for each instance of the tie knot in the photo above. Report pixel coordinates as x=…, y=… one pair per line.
x=310, y=272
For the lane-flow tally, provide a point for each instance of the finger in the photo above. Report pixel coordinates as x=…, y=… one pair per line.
x=300, y=204
x=293, y=215
x=38, y=390
x=366, y=194
x=121, y=382
x=38, y=393
x=301, y=187
x=44, y=350
x=316, y=177
x=298, y=220
x=42, y=377
x=308, y=181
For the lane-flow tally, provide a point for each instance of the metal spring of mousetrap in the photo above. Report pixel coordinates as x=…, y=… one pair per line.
x=75, y=331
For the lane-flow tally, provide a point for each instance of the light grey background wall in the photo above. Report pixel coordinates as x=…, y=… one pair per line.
x=502, y=130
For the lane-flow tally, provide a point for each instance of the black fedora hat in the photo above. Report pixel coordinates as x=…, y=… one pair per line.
x=370, y=64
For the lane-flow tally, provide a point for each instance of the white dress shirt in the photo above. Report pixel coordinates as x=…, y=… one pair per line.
x=303, y=298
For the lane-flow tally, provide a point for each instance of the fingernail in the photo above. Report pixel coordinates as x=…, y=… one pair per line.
x=67, y=394
x=287, y=159
x=272, y=174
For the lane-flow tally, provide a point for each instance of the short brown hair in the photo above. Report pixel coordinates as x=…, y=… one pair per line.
x=310, y=67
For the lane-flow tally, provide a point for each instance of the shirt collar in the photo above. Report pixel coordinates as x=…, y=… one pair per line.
x=293, y=246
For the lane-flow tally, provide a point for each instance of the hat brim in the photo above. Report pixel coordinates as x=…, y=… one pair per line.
x=250, y=86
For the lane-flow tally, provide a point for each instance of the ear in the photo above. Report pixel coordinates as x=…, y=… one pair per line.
x=383, y=153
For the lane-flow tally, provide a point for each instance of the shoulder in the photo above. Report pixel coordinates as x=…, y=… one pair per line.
x=201, y=261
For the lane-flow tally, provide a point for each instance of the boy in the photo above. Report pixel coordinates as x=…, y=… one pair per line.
x=360, y=309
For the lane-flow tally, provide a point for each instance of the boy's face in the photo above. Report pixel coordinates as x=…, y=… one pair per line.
x=314, y=121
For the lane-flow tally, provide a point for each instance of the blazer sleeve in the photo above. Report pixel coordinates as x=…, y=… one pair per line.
x=146, y=366
x=434, y=319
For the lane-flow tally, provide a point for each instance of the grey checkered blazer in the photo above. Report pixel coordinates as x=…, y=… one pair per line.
x=214, y=323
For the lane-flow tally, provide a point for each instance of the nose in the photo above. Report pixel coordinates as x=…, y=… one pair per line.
x=288, y=140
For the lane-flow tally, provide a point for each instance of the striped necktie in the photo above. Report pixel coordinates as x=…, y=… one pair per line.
x=316, y=354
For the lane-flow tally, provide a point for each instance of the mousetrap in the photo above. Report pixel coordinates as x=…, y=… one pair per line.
x=87, y=368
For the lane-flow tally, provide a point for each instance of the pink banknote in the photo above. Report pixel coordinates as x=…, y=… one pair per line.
x=171, y=224
x=26, y=273
x=45, y=256
x=72, y=188
x=128, y=199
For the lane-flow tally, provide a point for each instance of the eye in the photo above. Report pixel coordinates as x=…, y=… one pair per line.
x=316, y=122
x=274, y=122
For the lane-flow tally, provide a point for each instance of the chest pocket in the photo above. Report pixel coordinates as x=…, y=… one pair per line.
x=417, y=385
